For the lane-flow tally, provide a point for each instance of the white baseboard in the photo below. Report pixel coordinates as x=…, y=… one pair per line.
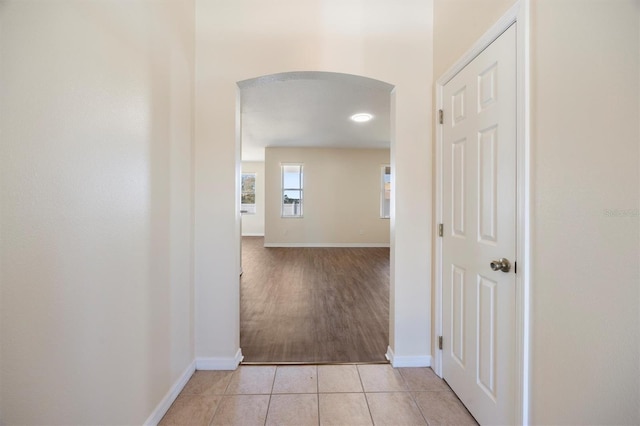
x=327, y=245
x=407, y=361
x=171, y=396
x=219, y=363
x=251, y=234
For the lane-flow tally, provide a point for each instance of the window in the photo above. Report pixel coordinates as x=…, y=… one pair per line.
x=248, y=198
x=292, y=179
x=385, y=192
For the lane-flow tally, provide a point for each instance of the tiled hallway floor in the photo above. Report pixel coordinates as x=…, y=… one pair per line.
x=363, y=394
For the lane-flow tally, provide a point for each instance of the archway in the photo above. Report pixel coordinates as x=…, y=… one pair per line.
x=304, y=117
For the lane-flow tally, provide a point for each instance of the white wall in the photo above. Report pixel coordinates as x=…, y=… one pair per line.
x=341, y=197
x=253, y=224
x=585, y=146
x=95, y=166
x=388, y=41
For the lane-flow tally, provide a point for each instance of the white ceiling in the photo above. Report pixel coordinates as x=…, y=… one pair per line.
x=312, y=109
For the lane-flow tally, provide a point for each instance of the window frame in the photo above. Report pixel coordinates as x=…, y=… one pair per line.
x=243, y=209
x=283, y=189
x=383, y=169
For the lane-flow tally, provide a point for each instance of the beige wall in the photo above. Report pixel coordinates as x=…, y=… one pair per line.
x=95, y=166
x=341, y=197
x=388, y=41
x=458, y=24
x=253, y=224
x=585, y=260
x=585, y=231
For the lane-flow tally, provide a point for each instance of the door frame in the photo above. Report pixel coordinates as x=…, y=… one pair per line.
x=518, y=14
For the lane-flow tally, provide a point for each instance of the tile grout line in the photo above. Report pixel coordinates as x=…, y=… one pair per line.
x=213, y=416
x=366, y=400
x=413, y=398
x=411, y=395
x=273, y=382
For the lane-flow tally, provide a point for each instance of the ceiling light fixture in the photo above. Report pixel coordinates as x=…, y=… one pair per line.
x=361, y=117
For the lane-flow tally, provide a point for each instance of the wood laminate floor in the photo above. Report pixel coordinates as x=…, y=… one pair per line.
x=313, y=305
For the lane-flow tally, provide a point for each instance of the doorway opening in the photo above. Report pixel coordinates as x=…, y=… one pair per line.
x=315, y=229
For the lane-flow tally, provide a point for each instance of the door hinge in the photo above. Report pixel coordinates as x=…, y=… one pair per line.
x=441, y=230
x=441, y=116
x=440, y=342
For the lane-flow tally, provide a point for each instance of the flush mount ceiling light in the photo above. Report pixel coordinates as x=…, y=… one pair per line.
x=361, y=117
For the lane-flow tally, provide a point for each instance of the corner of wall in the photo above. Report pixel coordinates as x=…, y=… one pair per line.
x=164, y=405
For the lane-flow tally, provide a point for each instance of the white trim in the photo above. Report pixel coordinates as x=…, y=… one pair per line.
x=171, y=396
x=524, y=191
x=519, y=14
x=253, y=234
x=326, y=245
x=438, y=217
x=407, y=361
x=217, y=363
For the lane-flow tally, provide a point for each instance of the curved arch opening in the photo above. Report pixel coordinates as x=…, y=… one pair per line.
x=310, y=315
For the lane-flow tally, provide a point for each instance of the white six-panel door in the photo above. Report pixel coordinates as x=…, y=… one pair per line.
x=479, y=215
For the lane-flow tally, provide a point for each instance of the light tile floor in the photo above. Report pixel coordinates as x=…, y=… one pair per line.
x=345, y=395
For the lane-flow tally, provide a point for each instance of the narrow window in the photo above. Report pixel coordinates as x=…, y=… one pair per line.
x=248, y=200
x=292, y=188
x=385, y=192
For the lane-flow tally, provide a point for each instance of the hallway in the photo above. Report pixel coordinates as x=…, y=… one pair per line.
x=314, y=305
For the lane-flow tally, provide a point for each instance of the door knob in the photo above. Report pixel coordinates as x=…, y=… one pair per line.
x=501, y=265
